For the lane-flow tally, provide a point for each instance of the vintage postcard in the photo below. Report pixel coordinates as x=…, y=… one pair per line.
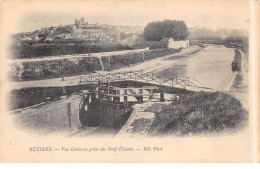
x=129, y=81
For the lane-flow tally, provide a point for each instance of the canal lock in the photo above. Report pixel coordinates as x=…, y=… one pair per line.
x=110, y=106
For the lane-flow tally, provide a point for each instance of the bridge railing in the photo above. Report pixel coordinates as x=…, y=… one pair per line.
x=161, y=79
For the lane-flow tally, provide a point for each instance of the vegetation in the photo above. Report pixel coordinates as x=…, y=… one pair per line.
x=197, y=113
x=63, y=30
x=239, y=41
x=236, y=64
x=56, y=68
x=141, y=42
x=26, y=97
x=233, y=38
x=119, y=61
x=125, y=35
x=156, y=31
x=35, y=51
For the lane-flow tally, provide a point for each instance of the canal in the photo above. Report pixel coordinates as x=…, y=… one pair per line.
x=211, y=67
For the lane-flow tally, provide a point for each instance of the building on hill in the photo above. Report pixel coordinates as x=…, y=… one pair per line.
x=170, y=43
x=81, y=24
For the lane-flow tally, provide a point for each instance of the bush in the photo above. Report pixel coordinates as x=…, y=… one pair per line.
x=197, y=113
x=236, y=64
x=239, y=41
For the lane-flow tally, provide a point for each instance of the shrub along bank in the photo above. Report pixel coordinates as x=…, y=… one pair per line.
x=236, y=64
x=36, y=70
x=198, y=113
x=26, y=97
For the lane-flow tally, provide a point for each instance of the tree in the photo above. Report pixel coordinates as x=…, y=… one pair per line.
x=238, y=40
x=156, y=31
x=64, y=30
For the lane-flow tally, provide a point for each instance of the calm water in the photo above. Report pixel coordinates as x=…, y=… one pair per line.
x=211, y=67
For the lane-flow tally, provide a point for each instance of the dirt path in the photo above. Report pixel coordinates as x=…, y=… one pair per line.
x=160, y=63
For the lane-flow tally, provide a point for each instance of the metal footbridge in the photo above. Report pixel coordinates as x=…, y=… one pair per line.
x=188, y=83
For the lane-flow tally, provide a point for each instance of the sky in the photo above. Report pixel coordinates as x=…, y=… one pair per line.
x=230, y=14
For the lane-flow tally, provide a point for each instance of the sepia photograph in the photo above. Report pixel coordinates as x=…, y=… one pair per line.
x=123, y=79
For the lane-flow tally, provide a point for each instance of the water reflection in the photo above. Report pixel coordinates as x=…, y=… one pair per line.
x=177, y=70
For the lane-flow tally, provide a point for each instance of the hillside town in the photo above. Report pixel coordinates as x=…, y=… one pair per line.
x=82, y=31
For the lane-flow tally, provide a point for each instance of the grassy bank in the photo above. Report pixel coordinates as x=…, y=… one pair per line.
x=119, y=61
x=27, y=97
x=198, y=113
